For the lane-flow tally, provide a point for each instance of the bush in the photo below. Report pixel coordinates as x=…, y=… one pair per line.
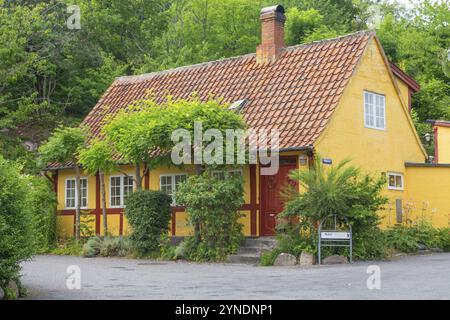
x=16, y=223
x=107, y=247
x=342, y=191
x=409, y=239
x=70, y=247
x=148, y=213
x=92, y=247
x=212, y=207
x=41, y=201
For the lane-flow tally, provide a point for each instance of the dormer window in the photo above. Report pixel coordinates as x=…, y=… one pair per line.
x=374, y=110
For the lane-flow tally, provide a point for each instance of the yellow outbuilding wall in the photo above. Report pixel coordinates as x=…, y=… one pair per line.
x=428, y=194
x=443, y=143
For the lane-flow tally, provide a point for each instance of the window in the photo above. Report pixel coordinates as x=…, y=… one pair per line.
x=71, y=193
x=168, y=183
x=374, y=111
x=220, y=174
x=120, y=188
x=395, y=181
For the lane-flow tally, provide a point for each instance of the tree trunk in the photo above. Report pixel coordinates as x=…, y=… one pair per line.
x=103, y=192
x=198, y=171
x=138, y=178
x=78, y=204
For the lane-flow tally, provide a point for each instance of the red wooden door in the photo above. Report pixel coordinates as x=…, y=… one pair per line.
x=271, y=200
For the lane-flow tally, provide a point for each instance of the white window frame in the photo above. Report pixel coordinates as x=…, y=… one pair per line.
x=121, y=187
x=396, y=174
x=172, y=183
x=373, y=110
x=76, y=193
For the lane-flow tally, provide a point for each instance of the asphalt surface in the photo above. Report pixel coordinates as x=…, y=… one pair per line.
x=413, y=277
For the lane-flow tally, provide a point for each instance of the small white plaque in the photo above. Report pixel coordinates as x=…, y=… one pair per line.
x=335, y=235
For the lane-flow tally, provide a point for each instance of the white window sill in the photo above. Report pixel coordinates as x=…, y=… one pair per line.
x=375, y=128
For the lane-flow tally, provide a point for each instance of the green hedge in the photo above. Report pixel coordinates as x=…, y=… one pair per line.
x=16, y=222
x=148, y=213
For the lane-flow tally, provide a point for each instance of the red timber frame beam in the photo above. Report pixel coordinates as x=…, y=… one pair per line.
x=97, y=212
x=253, y=200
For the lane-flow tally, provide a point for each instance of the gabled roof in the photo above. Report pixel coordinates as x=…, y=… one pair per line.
x=296, y=94
x=409, y=81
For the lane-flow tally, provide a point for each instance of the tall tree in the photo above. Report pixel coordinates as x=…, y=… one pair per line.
x=96, y=157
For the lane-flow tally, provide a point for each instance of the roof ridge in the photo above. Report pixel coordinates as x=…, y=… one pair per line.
x=349, y=35
x=248, y=55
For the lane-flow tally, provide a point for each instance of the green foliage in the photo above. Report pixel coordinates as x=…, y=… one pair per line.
x=63, y=145
x=69, y=247
x=146, y=127
x=409, y=239
x=212, y=207
x=301, y=23
x=16, y=222
x=337, y=190
x=107, y=247
x=268, y=257
x=418, y=41
x=148, y=213
x=54, y=78
x=97, y=156
x=41, y=202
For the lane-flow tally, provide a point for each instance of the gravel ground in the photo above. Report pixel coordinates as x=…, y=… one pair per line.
x=413, y=277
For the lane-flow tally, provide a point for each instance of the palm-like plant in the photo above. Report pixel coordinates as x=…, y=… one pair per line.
x=335, y=190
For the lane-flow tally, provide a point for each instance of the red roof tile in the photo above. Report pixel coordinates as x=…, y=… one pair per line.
x=302, y=86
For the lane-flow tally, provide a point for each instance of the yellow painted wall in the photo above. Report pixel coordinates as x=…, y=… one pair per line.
x=182, y=229
x=443, y=144
x=404, y=90
x=374, y=151
x=64, y=226
x=428, y=194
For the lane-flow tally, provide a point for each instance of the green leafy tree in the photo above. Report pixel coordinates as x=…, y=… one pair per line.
x=213, y=206
x=63, y=147
x=149, y=214
x=95, y=158
x=300, y=23
x=16, y=223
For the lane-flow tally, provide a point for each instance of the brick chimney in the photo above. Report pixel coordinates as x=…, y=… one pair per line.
x=272, y=34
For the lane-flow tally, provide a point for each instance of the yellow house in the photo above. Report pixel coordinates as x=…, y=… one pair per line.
x=340, y=98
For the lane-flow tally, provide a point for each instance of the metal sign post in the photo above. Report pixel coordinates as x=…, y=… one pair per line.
x=335, y=237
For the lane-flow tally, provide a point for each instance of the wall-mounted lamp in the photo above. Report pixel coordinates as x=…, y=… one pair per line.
x=427, y=137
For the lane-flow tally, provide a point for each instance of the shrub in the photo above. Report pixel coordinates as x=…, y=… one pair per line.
x=92, y=247
x=338, y=190
x=148, y=213
x=212, y=207
x=268, y=257
x=70, y=247
x=41, y=201
x=409, y=239
x=107, y=247
x=16, y=223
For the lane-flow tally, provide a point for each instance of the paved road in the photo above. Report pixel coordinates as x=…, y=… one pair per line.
x=416, y=277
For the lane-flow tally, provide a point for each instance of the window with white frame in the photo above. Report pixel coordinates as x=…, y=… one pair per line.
x=168, y=183
x=374, y=110
x=120, y=188
x=71, y=193
x=395, y=181
x=220, y=174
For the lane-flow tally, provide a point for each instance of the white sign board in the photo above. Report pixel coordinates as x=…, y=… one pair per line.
x=336, y=235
